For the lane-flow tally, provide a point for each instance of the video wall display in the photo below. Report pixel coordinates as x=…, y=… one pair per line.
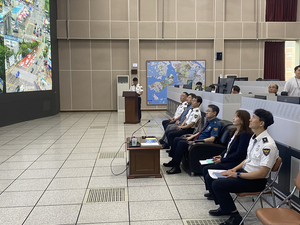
x=25, y=46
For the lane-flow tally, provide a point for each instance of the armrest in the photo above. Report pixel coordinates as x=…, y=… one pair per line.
x=186, y=135
x=203, y=150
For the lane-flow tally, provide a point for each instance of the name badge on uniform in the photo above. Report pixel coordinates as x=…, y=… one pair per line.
x=215, y=129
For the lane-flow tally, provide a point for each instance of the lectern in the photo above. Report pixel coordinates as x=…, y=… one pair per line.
x=131, y=107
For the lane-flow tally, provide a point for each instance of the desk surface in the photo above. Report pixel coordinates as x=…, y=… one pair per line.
x=141, y=140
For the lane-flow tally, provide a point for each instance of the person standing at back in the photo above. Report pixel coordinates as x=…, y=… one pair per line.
x=139, y=90
x=292, y=85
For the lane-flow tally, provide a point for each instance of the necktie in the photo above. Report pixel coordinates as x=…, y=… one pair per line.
x=201, y=131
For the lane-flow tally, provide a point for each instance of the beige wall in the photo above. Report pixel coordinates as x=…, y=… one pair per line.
x=105, y=37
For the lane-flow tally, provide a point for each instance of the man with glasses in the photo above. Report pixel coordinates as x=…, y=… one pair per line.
x=208, y=134
x=273, y=88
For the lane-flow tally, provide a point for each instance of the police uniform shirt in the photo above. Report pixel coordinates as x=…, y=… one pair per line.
x=262, y=151
x=138, y=88
x=212, y=129
x=180, y=109
x=193, y=116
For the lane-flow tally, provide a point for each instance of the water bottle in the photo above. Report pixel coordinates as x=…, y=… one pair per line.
x=133, y=141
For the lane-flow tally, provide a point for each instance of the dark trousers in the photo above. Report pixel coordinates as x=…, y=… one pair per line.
x=172, y=134
x=219, y=166
x=165, y=123
x=139, y=107
x=178, y=147
x=221, y=189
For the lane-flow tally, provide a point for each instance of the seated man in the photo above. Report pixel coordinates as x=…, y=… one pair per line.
x=208, y=134
x=199, y=86
x=273, y=88
x=164, y=139
x=188, y=125
x=213, y=88
x=235, y=89
x=179, y=110
x=251, y=174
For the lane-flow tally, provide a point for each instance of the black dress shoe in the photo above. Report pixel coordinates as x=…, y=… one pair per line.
x=169, y=164
x=217, y=212
x=234, y=219
x=174, y=170
x=206, y=195
x=161, y=141
x=209, y=196
x=165, y=146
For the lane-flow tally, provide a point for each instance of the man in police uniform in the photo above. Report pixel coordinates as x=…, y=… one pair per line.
x=251, y=174
x=208, y=134
x=172, y=127
x=188, y=125
x=139, y=90
x=179, y=111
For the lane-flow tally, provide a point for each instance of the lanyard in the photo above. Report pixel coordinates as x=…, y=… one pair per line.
x=229, y=144
x=297, y=83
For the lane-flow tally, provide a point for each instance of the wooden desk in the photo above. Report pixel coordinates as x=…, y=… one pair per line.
x=144, y=161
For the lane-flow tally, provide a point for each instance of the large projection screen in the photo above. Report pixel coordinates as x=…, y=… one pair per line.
x=29, y=75
x=161, y=74
x=25, y=46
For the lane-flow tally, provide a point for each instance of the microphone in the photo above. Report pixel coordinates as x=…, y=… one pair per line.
x=140, y=128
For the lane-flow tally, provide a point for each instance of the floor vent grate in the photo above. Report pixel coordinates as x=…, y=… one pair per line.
x=106, y=155
x=97, y=127
x=106, y=195
x=204, y=222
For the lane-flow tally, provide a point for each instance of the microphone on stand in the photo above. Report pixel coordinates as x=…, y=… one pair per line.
x=130, y=143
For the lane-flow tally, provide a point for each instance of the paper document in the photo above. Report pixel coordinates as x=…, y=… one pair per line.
x=206, y=162
x=149, y=144
x=216, y=174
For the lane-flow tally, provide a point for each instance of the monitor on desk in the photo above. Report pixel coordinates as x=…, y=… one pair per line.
x=187, y=86
x=289, y=99
x=263, y=97
x=224, y=85
x=176, y=85
x=241, y=79
x=207, y=89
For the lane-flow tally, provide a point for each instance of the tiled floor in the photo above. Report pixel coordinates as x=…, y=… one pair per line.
x=46, y=166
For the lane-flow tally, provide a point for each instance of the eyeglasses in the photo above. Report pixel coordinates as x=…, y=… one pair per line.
x=272, y=87
x=208, y=111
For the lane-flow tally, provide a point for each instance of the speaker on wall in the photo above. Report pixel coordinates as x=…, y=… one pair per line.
x=219, y=56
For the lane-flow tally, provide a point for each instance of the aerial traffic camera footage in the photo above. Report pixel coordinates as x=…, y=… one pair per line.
x=25, y=46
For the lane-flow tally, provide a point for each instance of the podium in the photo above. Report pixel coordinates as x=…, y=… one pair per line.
x=144, y=161
x=131, y=107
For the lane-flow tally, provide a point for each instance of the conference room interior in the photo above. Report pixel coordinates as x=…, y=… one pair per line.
x=65, y=141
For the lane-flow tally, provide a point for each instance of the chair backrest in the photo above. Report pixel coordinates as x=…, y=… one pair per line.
x=277, y=164
x=224, y=134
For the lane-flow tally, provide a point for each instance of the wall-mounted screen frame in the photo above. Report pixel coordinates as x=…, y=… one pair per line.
x=161, y=74
x=25, y=46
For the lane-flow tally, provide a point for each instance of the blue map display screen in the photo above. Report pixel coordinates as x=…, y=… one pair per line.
x=161, y=74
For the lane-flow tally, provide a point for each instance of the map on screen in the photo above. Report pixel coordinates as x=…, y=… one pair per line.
x=161, y=74
x=25, y=46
